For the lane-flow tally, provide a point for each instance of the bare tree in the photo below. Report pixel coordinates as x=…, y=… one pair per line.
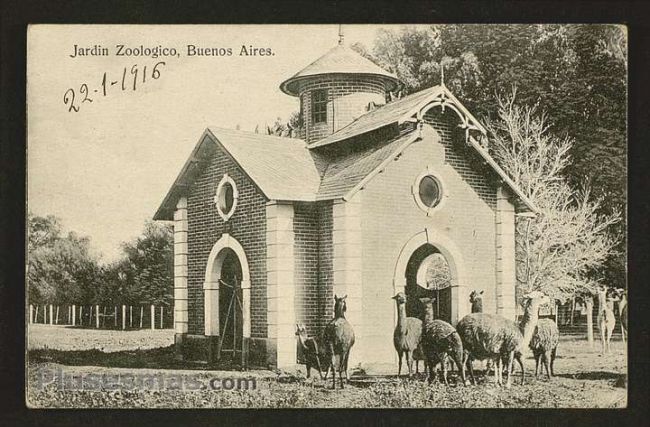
x=559, y=250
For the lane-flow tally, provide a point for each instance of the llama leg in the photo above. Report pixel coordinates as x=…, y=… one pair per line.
x=443, y=358
x=610, y=330
x=320, y=372
x=537, y=356
x=511, y=359
x=546, y=359
x=333, y=363
x=308, y=366
x=347, y=357
x=553, y=352
x=409, y=362
x=622, y=333
x=602, y=336
x=468, y=362
x=399, y=366
x=499, y=373
x=521, y=365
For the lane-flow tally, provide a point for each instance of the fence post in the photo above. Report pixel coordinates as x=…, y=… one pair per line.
x=51, y=314
x=56, y=320
x=97, y=316
x=115, y=316
x=153, y=317
x=31, y=314
x=74, y=314
x=130, y=316
x=161, y=317
x=123, y=317
x=141, y=315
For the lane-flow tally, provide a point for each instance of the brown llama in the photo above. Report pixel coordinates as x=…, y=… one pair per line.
x=338, y=338
x=407, y=334
x=311, y=350
x=440, y=339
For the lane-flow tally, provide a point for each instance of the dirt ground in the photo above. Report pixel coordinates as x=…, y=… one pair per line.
x=80, y=368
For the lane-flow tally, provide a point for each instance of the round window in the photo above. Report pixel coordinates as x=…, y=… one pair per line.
x=226, y=197
x=427, y=191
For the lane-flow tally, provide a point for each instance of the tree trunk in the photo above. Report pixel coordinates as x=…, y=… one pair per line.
x=589, y=302
x=56, y=319
x=97, y=316
x=130, y=316
x=141, y=315
x=161, y=317
x=51, y=314
x=31, y=314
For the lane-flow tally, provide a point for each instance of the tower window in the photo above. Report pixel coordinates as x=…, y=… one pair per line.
x=319, y=105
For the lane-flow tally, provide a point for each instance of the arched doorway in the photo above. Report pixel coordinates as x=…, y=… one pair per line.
x=422, y=249
x=227, y=302
x=427, y=274
x=230, y=307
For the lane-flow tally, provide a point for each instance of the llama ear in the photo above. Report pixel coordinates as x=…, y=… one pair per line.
x=480, y=293
x=344, y=296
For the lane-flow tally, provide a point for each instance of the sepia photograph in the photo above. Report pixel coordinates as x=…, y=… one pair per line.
x=326, y=216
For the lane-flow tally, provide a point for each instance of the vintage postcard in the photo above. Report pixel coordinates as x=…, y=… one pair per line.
x=270, y=216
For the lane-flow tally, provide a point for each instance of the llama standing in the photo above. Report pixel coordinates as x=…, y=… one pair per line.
x=407, y=334
x=338, y=338
x=622, y=311
x=544, y=345
x=490, y=336
x=311, y=350
x=440, y=339
x=606, y=318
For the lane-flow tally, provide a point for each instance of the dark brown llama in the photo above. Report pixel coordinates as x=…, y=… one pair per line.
x=311, y=350
x=440, y=339
x=338, y=339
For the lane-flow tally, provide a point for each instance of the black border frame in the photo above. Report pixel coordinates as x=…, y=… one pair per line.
x=17, y=14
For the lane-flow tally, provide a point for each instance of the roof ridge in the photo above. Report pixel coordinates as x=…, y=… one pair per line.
x=284, y=138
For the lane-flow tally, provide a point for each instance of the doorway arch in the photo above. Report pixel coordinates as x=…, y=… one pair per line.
x=226, y=291
x=423, y=244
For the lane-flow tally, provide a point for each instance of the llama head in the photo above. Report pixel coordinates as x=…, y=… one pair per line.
x=400, y=298
x=475, y=295
x=535, y=299
x=301, y=330
x=427, y=301
x=340, y=306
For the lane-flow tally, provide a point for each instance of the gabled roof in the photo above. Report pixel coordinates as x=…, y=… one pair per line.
x=339, y=60
x=347, y=172
x=282, y=168
x=404, y=109
x=287, y=169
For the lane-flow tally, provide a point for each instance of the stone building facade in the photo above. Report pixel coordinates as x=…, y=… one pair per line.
x=267, y=229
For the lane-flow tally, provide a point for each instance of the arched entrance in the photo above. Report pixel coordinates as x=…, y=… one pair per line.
x=427, y=274
x=431, y=253
x=227, y=302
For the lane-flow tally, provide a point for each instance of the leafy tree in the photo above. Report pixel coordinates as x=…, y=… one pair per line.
x=145, y=275
x=60, y=269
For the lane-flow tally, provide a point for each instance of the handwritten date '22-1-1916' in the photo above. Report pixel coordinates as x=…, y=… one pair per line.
x=139, y=75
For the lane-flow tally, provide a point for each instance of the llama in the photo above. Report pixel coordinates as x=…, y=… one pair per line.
x=440, y=339
x=490, y=336
x=544, y=345
x=606, y=318
x=622, y=311
x=407, y=334
x=312, y=351
x=338, y=338
x=476, y=299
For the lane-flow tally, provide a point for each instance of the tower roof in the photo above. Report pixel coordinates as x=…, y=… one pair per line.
x=339, y=60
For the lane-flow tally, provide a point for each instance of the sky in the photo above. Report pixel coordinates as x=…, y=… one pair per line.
x=103, y=170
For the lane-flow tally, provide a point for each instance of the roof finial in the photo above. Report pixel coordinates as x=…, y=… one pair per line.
x=442, y=73
x=340, y=34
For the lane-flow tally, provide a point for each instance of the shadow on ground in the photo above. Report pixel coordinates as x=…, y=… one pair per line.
x=592, y=376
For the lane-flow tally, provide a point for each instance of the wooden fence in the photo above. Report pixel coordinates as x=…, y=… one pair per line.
x=102, y=316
